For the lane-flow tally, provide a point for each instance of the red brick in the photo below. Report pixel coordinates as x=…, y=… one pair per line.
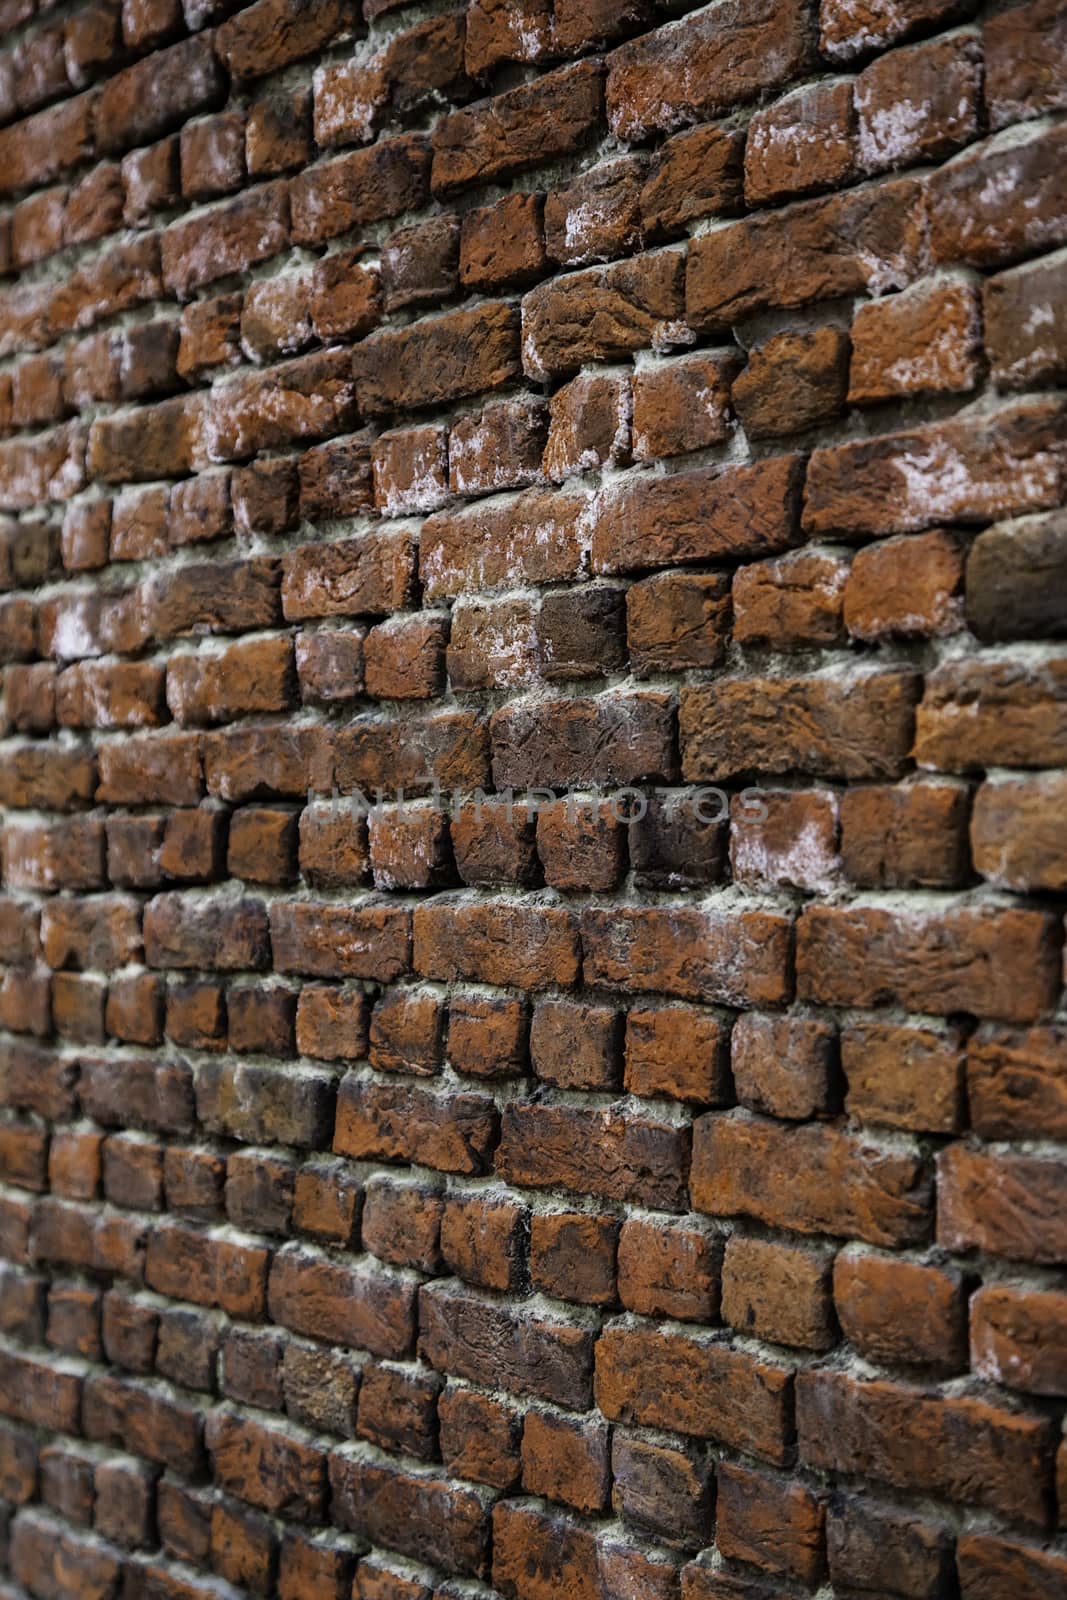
x=825, y=1179
x=906, y=588
x=577, y=742
x=900, y=835
x=690, y=1384
x=268, y=35
x=956, y=1448
x=589, y=425
x=209, y=335
x=151, y=180
x=40, y=147
x=520, y=128
x=845, y=244
x=275, y=319
x=537, y=1554
x=157, y=93
x=420, y=264
x=677, y=620
x=596, y=1152
x=604, y=314
x=989, y=1565
x=452, y=1132
x=1017, y=1338
x=499, y=31
x=733, y=960
x=681, y=405
x=535, y=537
x=479, y=1437
x=1015, y=1082
x=704, y=515
x=1024, y=51
x=778, y=1292
x=411, y=470
x=1004, y=962
x=496, y=943
x=311, y=1294
x=409, y=848
x=572, y=1256
x=689, y=71
x=266, y=1467
x=903, y=1076
x=596, y=215
x=299, y=401
x=443, y=358
x=696, y=174
x=356, y=189
x=669, y=1271
x=770, y=1522
x=581, y=846
x=404, y=658
x=793, y=381
x=523, y=1352
x=848, y=28
x=676, y=1051
x=918, y=104
x=502, y=246
x=278, y=133
x=566, y=1461
x=401, y=1224
x=267, y=761
x=784, y=1066
x=424, y=1517
x=968, y=226
x=486, y=1037
x=212, y=155
x=262, y=845
x=1007, y=707
x=1008, y=1205
x=804, y=141
x=900, y=1312
x=872, y=1544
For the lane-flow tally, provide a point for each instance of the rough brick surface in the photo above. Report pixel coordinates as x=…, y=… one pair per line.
x=533, y=751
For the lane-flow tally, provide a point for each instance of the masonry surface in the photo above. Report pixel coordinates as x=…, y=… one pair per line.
x=657, y=1191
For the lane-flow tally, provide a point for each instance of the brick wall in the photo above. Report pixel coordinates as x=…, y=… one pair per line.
x=655, y=1191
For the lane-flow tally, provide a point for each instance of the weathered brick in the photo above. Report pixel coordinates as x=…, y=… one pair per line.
x=824, y=1179
x=689, y=71
x=268, y=35
x=387, y=1122
x=502, y=246
x=525, y=1353
x=690, y=1384
x=804, y=141
x=604, y=314
x=157, y=93
x=999, y=962
x=422, y=1515
x=825, y=725
x=520, y=128
x=703, y=515
x=1006, y=1204
x=312, y=1294
x=845, y=244
x=969, y=226
x=902, y=1434
x=444, y=358
x=594, y=1152
x=1013, y=579
x=534, y=537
